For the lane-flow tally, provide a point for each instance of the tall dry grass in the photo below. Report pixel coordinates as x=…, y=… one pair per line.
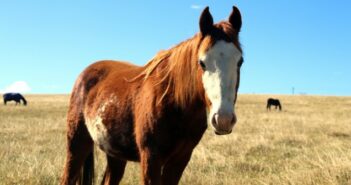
x=308, y=143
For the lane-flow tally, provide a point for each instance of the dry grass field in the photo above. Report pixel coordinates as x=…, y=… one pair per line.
x=308, y=143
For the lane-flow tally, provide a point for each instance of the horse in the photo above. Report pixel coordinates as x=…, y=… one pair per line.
x=155, y=114
x=274, y=102
x=17, y=97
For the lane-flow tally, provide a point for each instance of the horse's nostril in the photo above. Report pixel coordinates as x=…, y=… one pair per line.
x=234, y=119
x=215, y=119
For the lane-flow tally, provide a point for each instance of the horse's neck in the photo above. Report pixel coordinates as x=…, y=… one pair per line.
x=181, y=71
x=172, y=86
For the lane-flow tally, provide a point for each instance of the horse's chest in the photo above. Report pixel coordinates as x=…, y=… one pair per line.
x=172, y=137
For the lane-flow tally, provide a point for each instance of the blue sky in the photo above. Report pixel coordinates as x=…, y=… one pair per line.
x=301, y=44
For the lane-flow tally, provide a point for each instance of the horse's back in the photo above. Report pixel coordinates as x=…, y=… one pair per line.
x=101, y=71
x=11, y=96
x=111, y=65
x=272, y=101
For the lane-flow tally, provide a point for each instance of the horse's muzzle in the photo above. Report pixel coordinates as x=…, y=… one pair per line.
x=223, y=123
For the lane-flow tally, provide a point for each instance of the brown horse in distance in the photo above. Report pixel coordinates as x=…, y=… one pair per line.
x=155, y=114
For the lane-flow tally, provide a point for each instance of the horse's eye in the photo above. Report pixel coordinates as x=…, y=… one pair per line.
x=241, y=61
x=202, y=64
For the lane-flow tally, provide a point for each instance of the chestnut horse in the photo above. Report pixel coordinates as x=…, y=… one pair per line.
x=155, y=114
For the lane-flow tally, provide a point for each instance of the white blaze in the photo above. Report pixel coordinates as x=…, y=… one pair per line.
x=220, y=76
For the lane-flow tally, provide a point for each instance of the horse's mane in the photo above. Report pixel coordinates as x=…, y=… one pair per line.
x=178, y=65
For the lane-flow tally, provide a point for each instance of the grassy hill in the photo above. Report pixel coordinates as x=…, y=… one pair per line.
x=309, y=142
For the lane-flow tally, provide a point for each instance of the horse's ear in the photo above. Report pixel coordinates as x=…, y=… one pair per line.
x=206, y=21
x=235, y=19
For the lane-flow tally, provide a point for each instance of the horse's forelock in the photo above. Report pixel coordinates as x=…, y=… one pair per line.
x=225, y=31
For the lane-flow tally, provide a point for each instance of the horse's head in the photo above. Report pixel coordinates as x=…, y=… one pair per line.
x=220, y=59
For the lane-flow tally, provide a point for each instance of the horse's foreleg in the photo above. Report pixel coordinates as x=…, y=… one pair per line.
x=114, y=171
x=79, y=147
x=150, y=168
x=173, y=169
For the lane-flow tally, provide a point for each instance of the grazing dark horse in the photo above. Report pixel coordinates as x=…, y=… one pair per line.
x=274, y=102
x=17, y=97
x=155, y=114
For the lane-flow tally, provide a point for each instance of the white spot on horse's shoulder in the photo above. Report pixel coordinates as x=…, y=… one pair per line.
x=98, y=132
x=96, y=126
x=111, y=100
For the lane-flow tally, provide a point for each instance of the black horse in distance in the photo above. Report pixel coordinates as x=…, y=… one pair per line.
x=17, y=97
x=274, y=102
